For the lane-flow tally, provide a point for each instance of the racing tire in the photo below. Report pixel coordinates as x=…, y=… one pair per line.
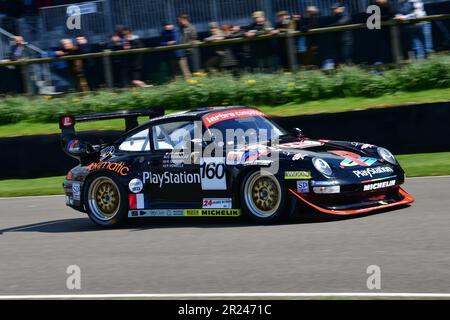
x=106, y=201
x=262, y=197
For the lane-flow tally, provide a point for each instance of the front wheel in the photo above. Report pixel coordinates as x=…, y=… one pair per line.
x=105, y=201
x=262, y=197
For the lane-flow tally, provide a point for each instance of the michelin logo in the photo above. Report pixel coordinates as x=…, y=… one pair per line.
x=380, y=185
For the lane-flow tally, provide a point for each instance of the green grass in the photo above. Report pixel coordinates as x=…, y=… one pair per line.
x=415, y=165
x=359, y=103
x=425, y=164
x=319, y=106
x=31, y=187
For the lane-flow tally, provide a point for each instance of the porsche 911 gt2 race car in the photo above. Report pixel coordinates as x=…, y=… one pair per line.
x=223, y=162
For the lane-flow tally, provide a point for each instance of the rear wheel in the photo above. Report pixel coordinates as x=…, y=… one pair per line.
x=262, y=197
x=105, y=201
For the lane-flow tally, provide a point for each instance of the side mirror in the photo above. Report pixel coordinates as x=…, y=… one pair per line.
x=298, y=132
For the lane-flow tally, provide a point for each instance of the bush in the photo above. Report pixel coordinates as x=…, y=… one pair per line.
x=224, y=89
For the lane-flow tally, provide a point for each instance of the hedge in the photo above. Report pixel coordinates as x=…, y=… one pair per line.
x=225, y=89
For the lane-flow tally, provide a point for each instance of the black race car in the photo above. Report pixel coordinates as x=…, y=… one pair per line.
x=223, y=162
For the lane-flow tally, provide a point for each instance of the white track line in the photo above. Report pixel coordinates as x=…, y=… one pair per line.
x=227, y=295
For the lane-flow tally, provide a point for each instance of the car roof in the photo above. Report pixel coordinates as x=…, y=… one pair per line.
x=197, y=113
x=183, y=116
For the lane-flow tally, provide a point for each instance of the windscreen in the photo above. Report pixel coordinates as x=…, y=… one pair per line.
x=251, y=122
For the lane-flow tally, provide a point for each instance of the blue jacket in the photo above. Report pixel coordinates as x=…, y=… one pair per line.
x=172, y=35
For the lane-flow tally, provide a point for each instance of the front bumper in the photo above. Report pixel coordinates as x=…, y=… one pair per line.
x=357, y=203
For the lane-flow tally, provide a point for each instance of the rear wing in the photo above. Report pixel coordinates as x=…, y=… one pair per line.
x=78, y=149
x=67, y=123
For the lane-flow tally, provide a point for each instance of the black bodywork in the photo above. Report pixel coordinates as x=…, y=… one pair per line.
x=366, y=182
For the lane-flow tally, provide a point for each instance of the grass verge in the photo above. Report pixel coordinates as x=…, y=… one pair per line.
x=31, y=187
x=415, y=165
x=290, y=109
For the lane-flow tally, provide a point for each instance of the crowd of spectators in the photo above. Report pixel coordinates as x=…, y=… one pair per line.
x=265, y=56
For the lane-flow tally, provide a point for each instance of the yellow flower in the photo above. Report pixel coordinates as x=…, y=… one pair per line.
x=251, y=82
x=192, y=81
x=291, y=84
x=200, y=74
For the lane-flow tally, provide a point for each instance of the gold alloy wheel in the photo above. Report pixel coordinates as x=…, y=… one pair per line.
x=104, y=198
x=262, y=194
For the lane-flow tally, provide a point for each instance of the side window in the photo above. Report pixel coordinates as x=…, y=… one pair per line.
x=137, y=142
x=169, y=136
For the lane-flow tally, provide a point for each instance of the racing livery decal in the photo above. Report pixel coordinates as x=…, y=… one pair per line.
x=212, y=172
x=301, y=144
x=184, y=213
x=217, y=203
x=136, y=185
x=212, y=212
x=379, y=185
x=352, y=159
x=119, y=168
x=370, y=172
x=217, y=117
x=297, y=175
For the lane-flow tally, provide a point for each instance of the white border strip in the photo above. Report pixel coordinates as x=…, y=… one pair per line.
x=227, y=295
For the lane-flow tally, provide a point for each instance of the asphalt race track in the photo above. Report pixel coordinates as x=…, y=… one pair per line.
x=40, y=238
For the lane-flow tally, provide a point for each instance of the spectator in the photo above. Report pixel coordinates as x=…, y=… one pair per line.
x=119, y=62
x=76, y=73
x=223, y=57
x=380, y=37
x=344, y=40
x=426, y=26
x=311, y=21
x=260, y=51
x=414, y=32
x=177, y=59
x=129, y=67
x=134, y=62
x=89, y=65
x=285, y=23
x=18, y=50
x=188, y=36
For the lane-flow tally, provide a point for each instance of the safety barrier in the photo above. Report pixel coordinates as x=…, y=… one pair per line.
x=403, y=130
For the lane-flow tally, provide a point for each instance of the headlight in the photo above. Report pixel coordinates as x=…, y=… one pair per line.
x=327, y=190
x=322, y=166
x=386, y=155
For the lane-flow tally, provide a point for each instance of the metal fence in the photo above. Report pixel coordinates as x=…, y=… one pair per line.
x=108, y=57
x=94, y=23
x=145, y=16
